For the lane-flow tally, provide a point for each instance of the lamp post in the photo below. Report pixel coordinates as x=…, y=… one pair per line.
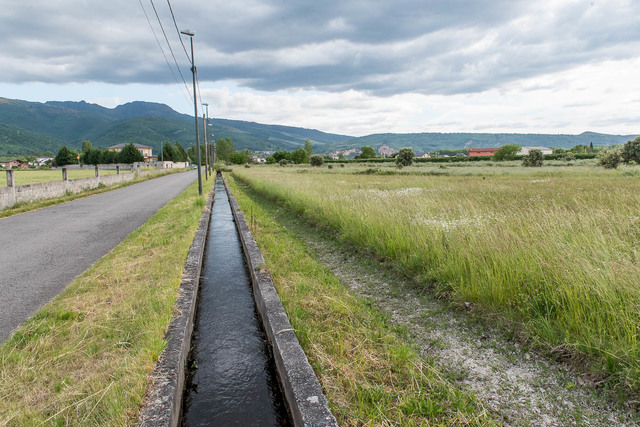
x=204, y=127
x=195, y=107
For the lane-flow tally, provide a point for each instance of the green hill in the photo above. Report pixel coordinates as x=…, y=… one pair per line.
x=32, y=127
x=56, y=123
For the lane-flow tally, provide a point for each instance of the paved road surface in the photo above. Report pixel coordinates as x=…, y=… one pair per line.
x=42, y=251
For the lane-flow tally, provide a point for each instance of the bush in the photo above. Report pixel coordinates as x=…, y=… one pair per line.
x=300, y=156
x=283, y=162
x=610, y=158
x=569, y=156
x=404, y=157
x=316, y=160
x=534, y=159
x=631, y=151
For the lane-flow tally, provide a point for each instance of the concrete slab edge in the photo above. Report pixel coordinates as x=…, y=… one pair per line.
x=163, y=401
x=303, y=392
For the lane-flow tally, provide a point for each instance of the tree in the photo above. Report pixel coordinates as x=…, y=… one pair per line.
x=308, y=148
x=166, y=155
x=92, y=157
x=280, y=155
x=179, y=155
x=130, y=154
x=316, y=160
x=534, y=159
x=579, y=149
x=108, y=157
x=367, y=153
x=224, y=149
x=270, y=160
x=300, y=156
x=405, y=157
x=193, y=155
x=507, y=152
x=631, y=151
x=65, y=157
x=610, y=158
x=86, y=146
x=238, y=158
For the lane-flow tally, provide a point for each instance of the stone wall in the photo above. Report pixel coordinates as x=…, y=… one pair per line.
x=9, y=196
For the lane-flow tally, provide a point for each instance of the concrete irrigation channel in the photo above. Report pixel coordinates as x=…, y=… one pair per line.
x=243, y=364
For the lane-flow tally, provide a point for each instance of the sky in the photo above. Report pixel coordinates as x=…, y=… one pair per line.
x=352, y=67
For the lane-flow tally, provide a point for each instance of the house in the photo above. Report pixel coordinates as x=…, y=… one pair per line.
x=11, y=163
x=40, y=161
x=478, y=152
x=524, y=151
x=425, y=156
x=143, y=149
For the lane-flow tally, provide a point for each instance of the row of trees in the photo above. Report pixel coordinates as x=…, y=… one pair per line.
x=98, y=156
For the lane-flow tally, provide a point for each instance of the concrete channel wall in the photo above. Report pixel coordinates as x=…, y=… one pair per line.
x=11, y=194
x=303, y=393
x=163, y=404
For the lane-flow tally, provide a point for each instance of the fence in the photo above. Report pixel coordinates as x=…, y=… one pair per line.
x=12, y=194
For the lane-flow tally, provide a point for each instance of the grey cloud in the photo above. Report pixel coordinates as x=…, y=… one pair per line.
x=381, y=47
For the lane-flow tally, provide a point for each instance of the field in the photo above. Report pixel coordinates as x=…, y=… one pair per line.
x=35, y=176
x=550, y=253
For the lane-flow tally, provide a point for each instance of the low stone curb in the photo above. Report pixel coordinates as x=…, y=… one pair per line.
x=163, y=402
x=302, y=390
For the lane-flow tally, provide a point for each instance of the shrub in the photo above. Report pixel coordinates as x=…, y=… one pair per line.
x=405, y=157
x=283, y=162
x=330, y=166
x=239, y=158
x=631, y=151
x=316, y=160
x=534, y=159
x=610, y=158
x=300, y=156
x=569, y=156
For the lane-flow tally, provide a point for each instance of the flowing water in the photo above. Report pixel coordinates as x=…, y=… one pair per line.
x=233, y=379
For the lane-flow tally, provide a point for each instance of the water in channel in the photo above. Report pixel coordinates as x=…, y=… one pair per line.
x=233, y=380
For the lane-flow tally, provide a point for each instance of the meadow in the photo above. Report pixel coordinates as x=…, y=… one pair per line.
x=35, y=176
x=551, y=253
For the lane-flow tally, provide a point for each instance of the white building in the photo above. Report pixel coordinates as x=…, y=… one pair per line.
x=524, y=151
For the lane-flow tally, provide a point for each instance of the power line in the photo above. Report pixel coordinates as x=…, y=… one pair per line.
x=170, y=49
x=178, y=31
x=162, y=50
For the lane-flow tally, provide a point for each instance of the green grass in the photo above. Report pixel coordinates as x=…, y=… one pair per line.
x=85, y=358
x=36, y=176
x=554, y=252
x=369, y=374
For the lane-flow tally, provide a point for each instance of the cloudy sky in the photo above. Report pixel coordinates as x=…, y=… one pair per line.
x=353, y=67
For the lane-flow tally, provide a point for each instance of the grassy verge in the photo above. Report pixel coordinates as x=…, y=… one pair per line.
x=22, y=207
x=84, y=358
x=369, y=374
x=555, y=254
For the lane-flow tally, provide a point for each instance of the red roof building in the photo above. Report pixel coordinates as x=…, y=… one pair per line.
x=477, y=152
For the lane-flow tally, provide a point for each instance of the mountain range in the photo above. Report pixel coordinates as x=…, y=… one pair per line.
x=33, y=127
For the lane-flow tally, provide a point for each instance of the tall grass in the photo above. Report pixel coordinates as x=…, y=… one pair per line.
x=557, y=255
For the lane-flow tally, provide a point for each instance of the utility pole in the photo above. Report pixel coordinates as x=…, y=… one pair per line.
x=206, y=154
x=195, y=107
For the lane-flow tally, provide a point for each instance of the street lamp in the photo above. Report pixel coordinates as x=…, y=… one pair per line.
x=204, y=127
x=195, y=107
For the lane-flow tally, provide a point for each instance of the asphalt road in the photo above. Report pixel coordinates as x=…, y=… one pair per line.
x=44, y=250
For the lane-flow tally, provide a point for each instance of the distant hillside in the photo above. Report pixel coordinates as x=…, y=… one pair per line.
x=32, y=127
x=428, y=142
x=56, y=123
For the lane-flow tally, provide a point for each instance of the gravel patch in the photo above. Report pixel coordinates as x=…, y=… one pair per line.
x=518, y=387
